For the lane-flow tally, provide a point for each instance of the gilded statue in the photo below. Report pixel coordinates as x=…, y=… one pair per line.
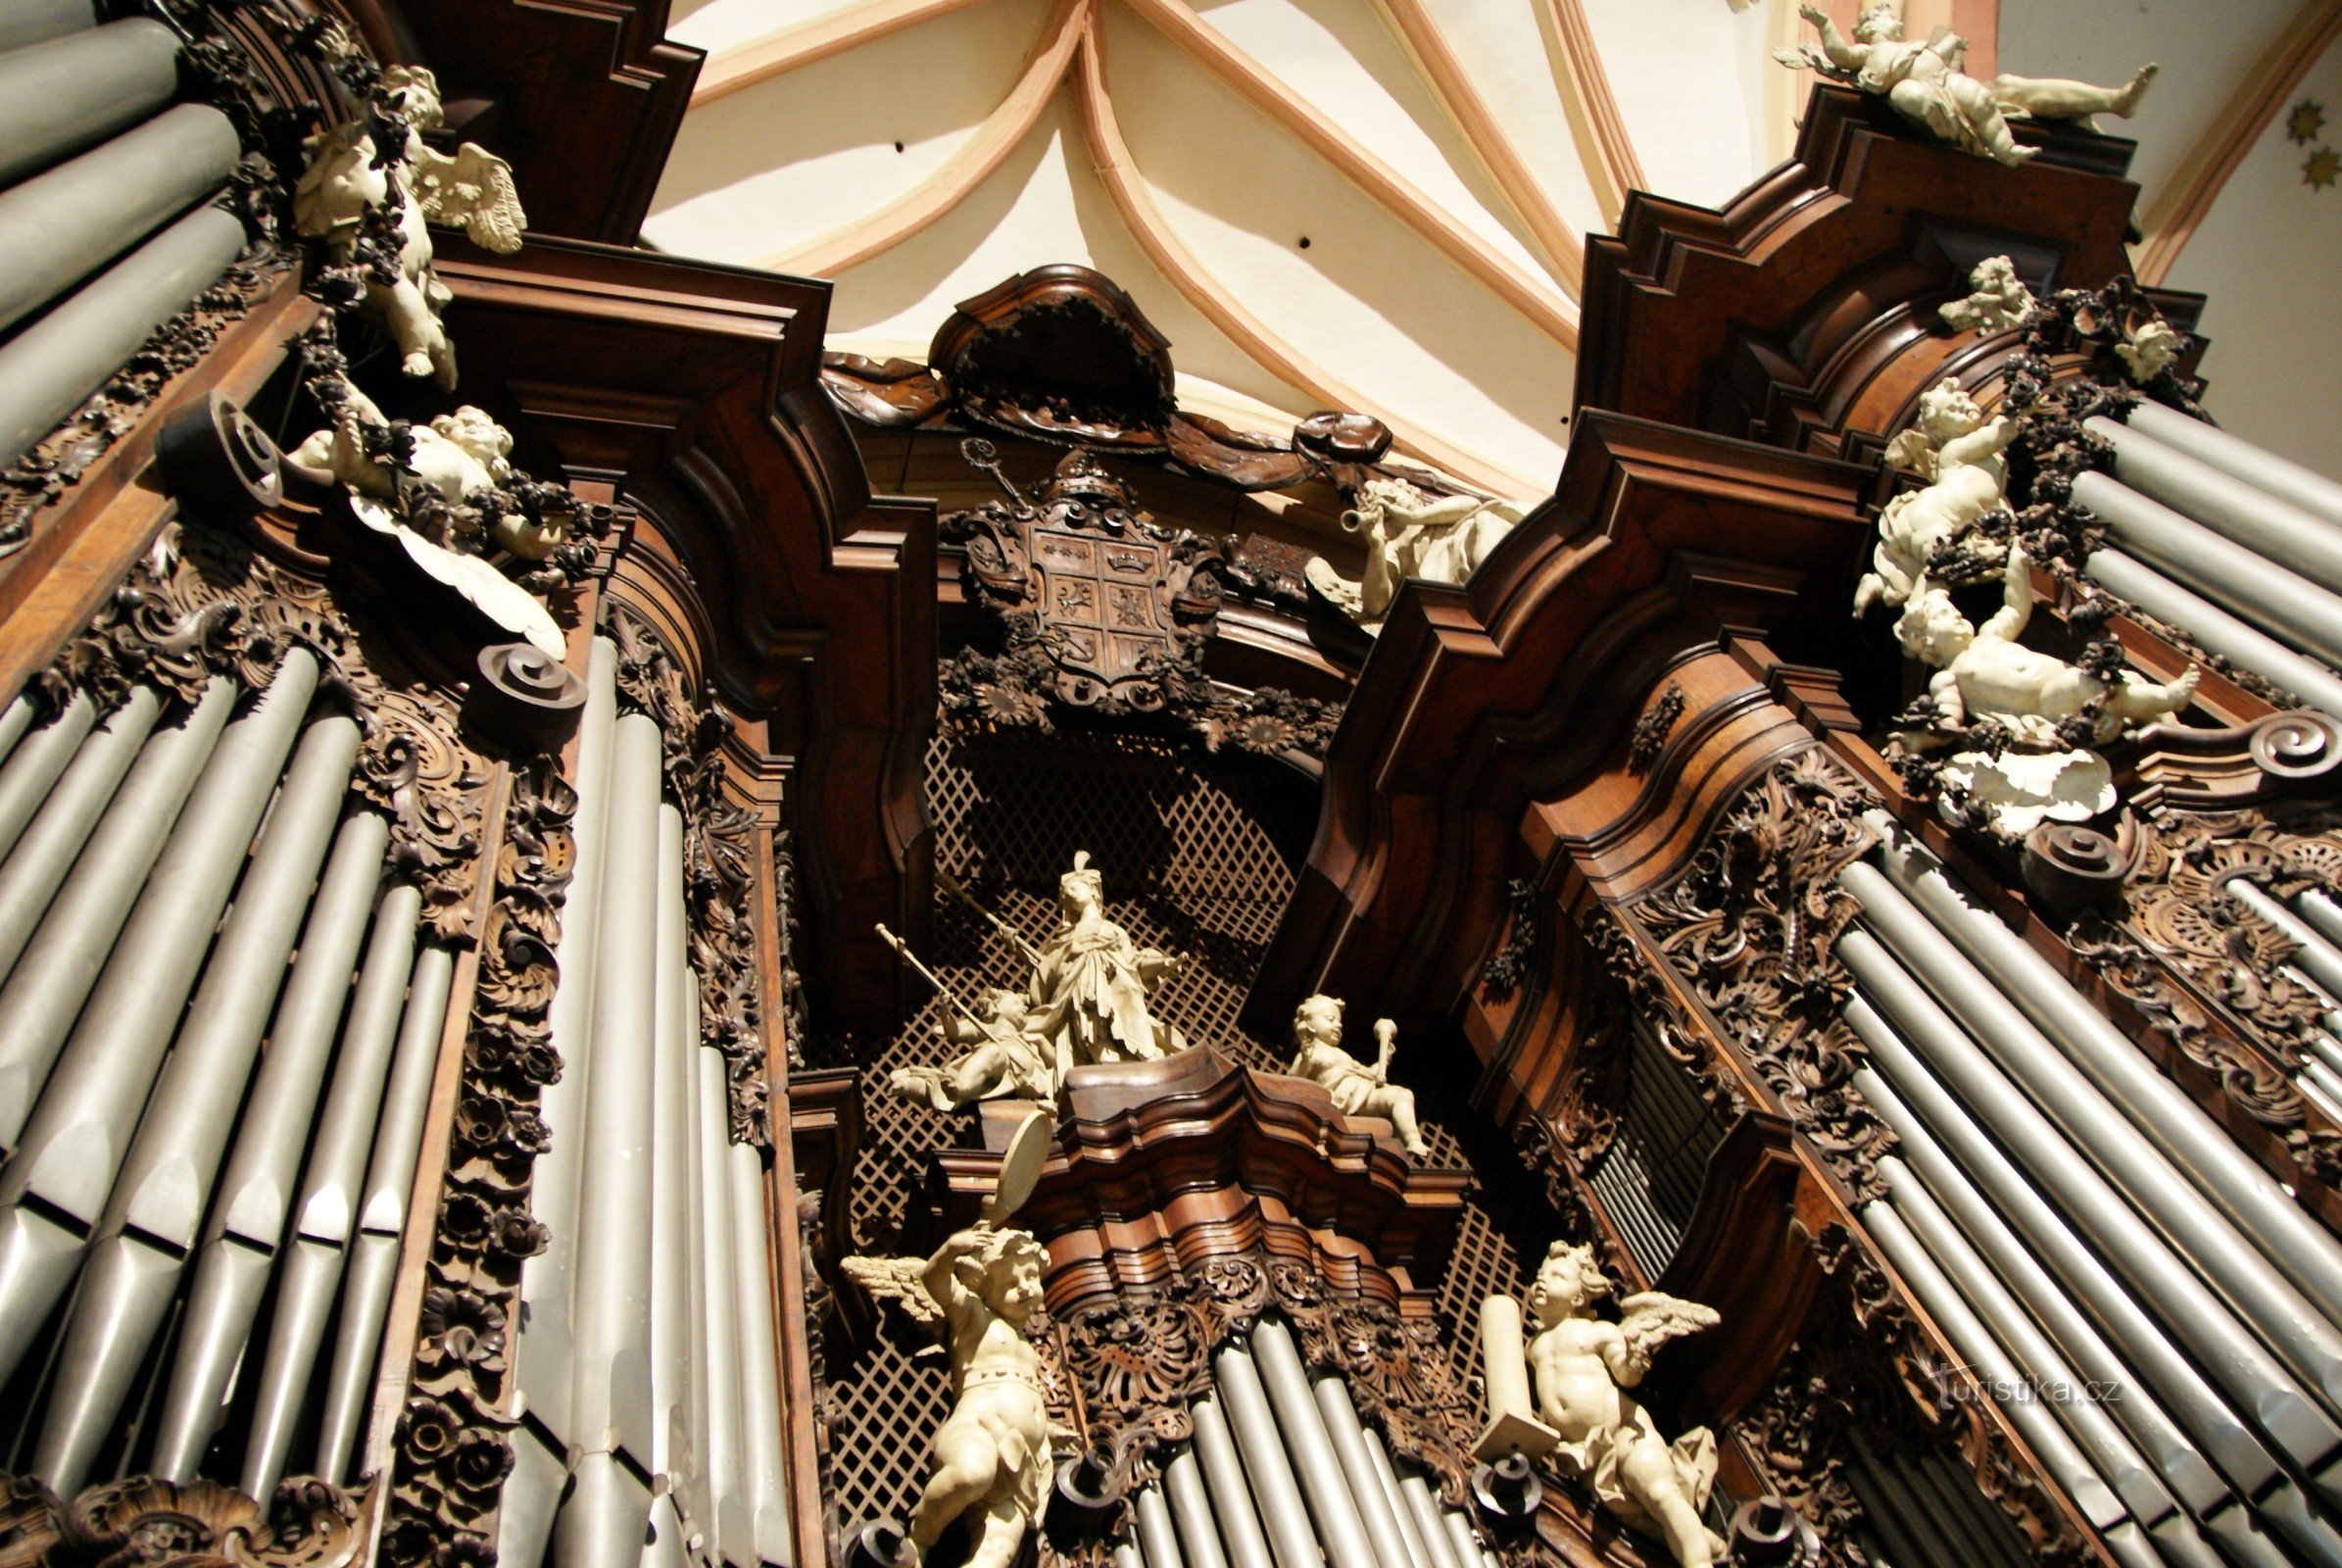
x=1960, y=453
x=1581, y=1413
x=1091, y=985
x=992, y=1455
x=1410, y=532
x=1003, y=1052
x=1357, y=1089
x=350, y=185
x=1926, y=85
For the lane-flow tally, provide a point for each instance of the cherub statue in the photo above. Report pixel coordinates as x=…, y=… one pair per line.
x=1357, y=1089
x=1410, y=533
x=1982, y=672
x=459, y=456
x=1997, y=300
x=2149, y=348
x=1926, y=85
x=979, y=1291
x=351, y=190
x=1004, y=1054
x=1091, y=983
x=1960, y=452
x=1582, y=1366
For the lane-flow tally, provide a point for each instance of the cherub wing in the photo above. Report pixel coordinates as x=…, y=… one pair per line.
x=1913, y=451
x=899, y=1279
x=473, y=189
x=1650, y=1319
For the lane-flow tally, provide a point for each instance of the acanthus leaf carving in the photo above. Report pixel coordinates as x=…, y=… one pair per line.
x=1753, y=925
x=148, y=1523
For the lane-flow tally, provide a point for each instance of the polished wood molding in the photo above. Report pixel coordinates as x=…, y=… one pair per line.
x=970, y=165
x=1477, y=701
x=784, y=49
x=802, y=601
x=1810, y=282
x=583, y=100
x=1412, y=23
x=2186, y=200
x=1170, y=254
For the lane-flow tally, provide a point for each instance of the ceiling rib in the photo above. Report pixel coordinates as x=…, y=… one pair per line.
x=967, y=168
x=728, y=71
x=1592, y=107
x=1411, y=23
x=1111, y=158
x=1551, y=312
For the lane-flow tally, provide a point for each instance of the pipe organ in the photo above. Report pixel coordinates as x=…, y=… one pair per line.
x=579, y=989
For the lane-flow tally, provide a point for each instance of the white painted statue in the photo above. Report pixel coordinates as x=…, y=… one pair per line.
x=460, y=457
x=1358, y=1090
x=345, y=180
x=979, y=1290
x=2149, y=348
x=1410, y=533
x=1582, y=1366
x=1091, y=984
x=1983, y=672
x=1958, y=450
x=1997, y=300
x=1003, y=1051
x=1926, y=85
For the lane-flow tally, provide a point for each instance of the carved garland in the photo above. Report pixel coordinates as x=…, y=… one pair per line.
x=1753, y=924
x=1137, y=1363
x=718, y=863
x=2191, y=958
x=156, y=1524
x=1864, y=1367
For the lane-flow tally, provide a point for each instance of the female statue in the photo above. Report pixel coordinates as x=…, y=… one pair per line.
x=1091, y=983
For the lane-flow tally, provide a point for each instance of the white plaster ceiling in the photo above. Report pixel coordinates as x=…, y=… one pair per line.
x=1441, y=159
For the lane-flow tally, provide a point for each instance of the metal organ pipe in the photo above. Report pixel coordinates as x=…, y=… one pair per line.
x=2248, y=582
x=601, y=1523
x=74, y=1145
x=2227, y=1260
x=1374, y=1505
x=54, y=974
x=381, y=1218
x=44, y=854
x=732, y=1526
x=322, y=1210
x=1330, y=1504
x=1191, y=1510
x=760, y=1358
x=247, y=1212
x=2311, y=956
x=31, y=21
x=2232, y=455
x=2218, y=631
x=2234, y=508
x=1159, y=1542
x=1418, y=1549
x=671, y=1260
x=65, y=94
x=151, y=1218
x=1223, y=1474
x=30, y=773
x=1282, y=1512
x=2161, y=1113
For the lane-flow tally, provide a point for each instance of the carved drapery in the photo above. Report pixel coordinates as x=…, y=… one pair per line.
x=2204, y=970
x=1137, y=1361
x=156, y=1524
x=1863, y=1365
x=719, y=862
x=1753, y=925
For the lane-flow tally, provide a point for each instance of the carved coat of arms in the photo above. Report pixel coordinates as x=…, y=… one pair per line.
x=1113, y=599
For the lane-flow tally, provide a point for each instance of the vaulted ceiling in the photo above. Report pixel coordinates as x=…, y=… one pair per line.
x=1380, y=205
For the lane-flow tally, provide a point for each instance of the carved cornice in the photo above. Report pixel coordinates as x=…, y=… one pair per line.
x=1806, y=305
x=793, y=596
x=1479, y=699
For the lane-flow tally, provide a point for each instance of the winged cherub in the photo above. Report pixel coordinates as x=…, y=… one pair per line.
x=1583, y=1365
x=1960, y=452
x=1410, y=532
x=351, y=189
x=1926, y=85
x=979, y=1291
